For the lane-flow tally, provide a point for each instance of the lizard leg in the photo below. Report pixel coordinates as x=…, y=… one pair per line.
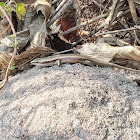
x=57, y=62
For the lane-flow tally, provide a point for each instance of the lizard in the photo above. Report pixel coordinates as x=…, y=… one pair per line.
x=75, y=58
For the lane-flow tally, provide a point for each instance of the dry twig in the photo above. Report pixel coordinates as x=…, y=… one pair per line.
x=100, y=5
x=84, y=24
x=15, y=49
x=59, y=13
x=59, y=7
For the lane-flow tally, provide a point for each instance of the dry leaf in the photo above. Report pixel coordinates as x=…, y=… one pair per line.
x=126, y=56
x=6, y=44
x=44, y=6
x=104, y=51
x=22, y=61
x=59, y=43
x=4, y=60
x=32, y=53
x=67, y=21
x=127, y=63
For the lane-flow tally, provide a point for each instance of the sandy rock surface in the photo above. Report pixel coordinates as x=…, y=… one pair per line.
x=71, y=102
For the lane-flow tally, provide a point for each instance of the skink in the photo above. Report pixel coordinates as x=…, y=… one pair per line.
x=74, y=58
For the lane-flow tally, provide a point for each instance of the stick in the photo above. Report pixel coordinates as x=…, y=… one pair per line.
x=100, y=5
x=55, y=1
x=84, y=24
x=59, y=7
x=116, y=31
x=60, y=12
x=15, y=50
x=111, y=14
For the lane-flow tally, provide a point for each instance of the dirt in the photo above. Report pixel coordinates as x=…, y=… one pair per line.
x=71, y=102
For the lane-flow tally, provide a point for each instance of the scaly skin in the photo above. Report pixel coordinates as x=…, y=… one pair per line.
x=75, y=58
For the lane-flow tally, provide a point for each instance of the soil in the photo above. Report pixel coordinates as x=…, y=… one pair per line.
x=70, y=102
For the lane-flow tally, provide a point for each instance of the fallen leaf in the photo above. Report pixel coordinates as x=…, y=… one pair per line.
x=128, y=56
x=7, y=43
x=21, y=62
x=44, y=6
x=30, y=54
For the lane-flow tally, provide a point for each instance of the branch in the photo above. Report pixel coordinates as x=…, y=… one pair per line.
x=15, y=49
x=111, y=14
x=100, y=5
x=59, y=7
x=84, y=24
x=60, y=12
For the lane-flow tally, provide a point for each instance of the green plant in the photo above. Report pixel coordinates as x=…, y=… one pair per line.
x=18, y=8
x=10, y=65
x=9, y=7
